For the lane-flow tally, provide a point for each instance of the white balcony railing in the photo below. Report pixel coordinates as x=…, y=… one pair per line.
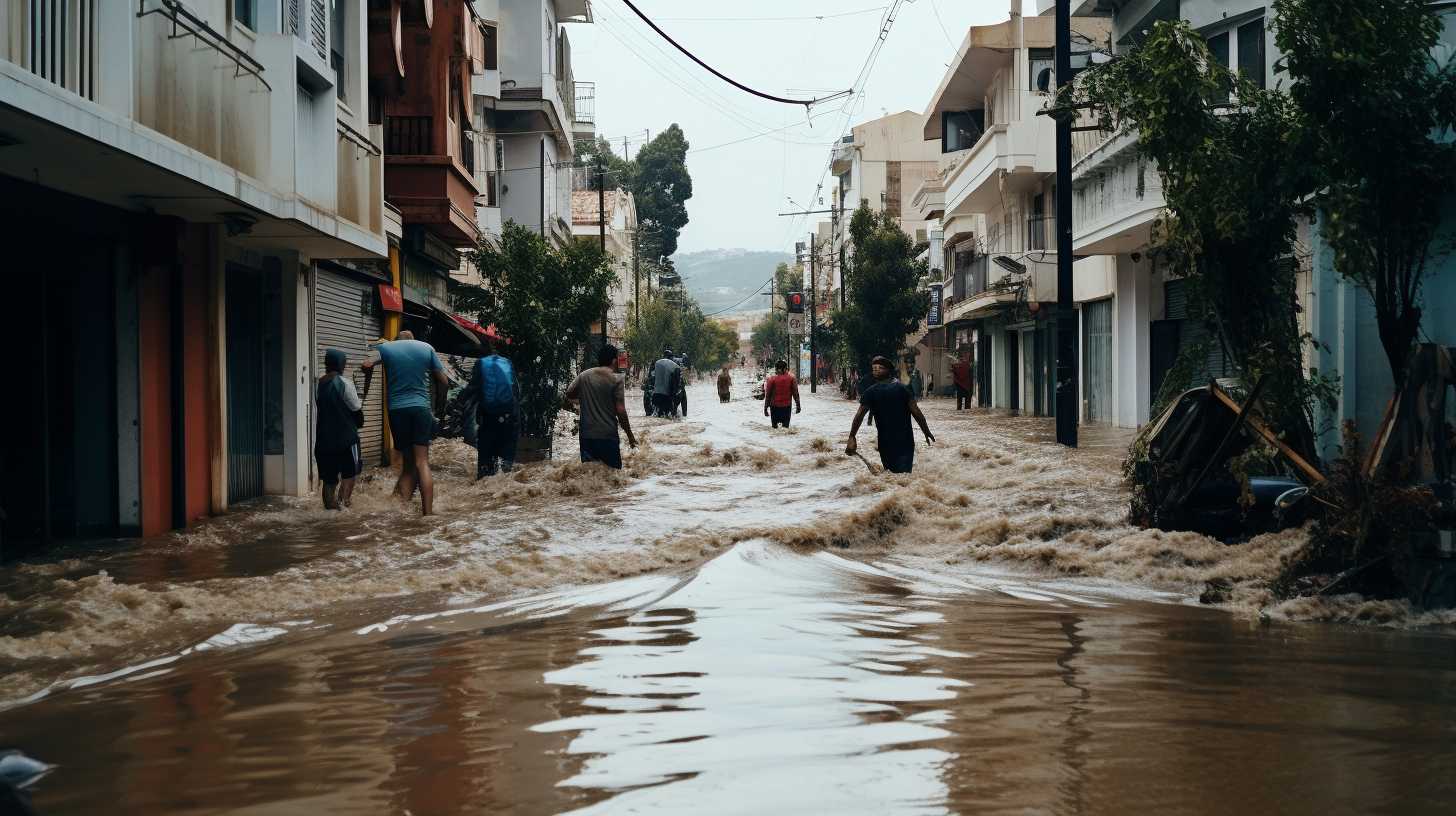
x=58, y=42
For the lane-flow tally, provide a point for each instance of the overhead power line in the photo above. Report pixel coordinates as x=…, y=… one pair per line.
x=807, y=103
x=772, y=19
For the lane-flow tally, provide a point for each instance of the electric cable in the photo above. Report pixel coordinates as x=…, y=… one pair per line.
x=807, y=103
x=771, y=19
x=758, y=291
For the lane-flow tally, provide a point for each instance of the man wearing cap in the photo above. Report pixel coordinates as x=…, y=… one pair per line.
x=336, y=439
x=892, y=405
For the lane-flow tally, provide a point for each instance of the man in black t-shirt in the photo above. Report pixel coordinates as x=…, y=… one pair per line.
x=892, y=405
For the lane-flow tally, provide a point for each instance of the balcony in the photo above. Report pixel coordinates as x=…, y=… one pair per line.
x=1023, y=151
x=584, y=111
x=842, y=155
x=928, y=201
x=1117, y=195
x=430, y=176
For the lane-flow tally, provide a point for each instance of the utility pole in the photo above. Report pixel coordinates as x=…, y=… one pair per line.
x=636, y=284
x=1066, y=326
x=813, y=313
x=602, y=225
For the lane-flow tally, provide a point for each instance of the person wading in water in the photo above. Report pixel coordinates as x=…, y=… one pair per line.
x=602, y=397
x=336, y=441
x=779, y=392
x=892, y=405
x=409, y=367
x=725, y=382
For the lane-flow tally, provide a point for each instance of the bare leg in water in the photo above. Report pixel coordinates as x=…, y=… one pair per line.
x=405, y=487
x=426, y=479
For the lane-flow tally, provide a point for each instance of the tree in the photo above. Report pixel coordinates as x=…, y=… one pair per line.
x=885, y=301
x=544, y=300
x=719, y=346
x=770, y=337
x=1376, y=112
x=619, y=171
x=662, y=186
x=671, y=320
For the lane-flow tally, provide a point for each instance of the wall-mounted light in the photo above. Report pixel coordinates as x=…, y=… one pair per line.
x=1014, y=267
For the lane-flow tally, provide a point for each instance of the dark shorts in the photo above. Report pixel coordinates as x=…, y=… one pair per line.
x=606, y=451
x=663, y=403
x=411, y=427
x=334, y=465
x=898, y=461
x=780, y=416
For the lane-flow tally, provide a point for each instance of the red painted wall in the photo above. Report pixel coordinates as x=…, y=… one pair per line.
x=196, y=281
x=154, y=293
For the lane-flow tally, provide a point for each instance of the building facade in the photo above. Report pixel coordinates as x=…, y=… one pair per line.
x=618, y=209
x=191, y=162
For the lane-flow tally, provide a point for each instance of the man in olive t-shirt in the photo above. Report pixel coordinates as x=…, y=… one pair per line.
x=603, y=404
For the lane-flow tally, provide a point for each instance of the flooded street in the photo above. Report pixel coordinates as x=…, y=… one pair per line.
x=742, y=621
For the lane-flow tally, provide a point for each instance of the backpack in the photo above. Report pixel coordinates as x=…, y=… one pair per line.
x=497, y=385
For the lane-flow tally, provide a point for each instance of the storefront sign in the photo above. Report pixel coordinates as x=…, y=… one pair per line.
x=390, y=299
x=934, y=317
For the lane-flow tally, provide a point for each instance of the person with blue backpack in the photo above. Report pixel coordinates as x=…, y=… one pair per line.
x=498, y=409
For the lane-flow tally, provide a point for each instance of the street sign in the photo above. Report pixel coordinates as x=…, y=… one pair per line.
x=796, y=324
x=934, y=317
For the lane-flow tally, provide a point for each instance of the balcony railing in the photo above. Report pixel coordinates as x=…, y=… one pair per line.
x=467, y=149
x=61, y=42
x=408, y=135
x=586, y=103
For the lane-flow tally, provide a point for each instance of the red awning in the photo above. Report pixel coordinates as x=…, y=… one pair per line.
x=487, y=332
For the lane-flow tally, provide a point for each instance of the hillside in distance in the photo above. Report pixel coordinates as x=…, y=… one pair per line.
x=727, y=279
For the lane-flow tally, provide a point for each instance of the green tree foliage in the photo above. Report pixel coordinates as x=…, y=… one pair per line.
x=544, y=300
x=1233, y=182
x=662, y=186
x=1375, y=119
x=620, y=172
x=885, y=302
x=669, y=320
x=770, y=337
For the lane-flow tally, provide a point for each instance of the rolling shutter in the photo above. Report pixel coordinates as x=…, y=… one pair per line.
x=346, y=317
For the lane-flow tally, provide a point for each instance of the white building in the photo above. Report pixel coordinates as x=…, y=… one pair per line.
x=993, y=197
x=537, y=118
x=190, y=162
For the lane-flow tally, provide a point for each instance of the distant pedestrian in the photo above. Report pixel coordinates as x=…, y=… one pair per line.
x=497, y=413
x=336, y=439
x=779, y=393
x=929, y=385
x=917, y=382
x=600, y=396
x=960, y=373
x=410, y=366
x=892, y=405
x=680, y=388
x=725, y=383
x=666, y=374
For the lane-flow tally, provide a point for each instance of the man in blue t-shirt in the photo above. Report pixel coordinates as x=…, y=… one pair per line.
x=409, y=368
x=892, y=405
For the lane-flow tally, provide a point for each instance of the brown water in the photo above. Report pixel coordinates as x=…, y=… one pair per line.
x=758, y=626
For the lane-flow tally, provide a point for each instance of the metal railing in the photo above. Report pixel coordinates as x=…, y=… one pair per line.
x=61, y=43
x=408, y=135
x=586, y=103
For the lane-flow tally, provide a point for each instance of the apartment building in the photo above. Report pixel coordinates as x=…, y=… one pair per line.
x=992, y=199
x=172, y=172
x=537, y=116
x=879, y=163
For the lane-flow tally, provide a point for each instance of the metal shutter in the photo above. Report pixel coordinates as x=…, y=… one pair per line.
x=346, y=317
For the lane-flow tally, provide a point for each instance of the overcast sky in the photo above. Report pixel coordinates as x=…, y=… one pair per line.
x=643, y=84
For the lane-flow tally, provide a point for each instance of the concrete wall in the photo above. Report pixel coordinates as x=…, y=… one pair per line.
x=524, y=52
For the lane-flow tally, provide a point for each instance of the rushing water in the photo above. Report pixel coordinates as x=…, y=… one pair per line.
x=742, y=622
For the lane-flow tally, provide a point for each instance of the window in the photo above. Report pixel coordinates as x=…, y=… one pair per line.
x=339, y=46
x=1251, y=52
x=960, y=130
x=490, y=48
x=246, y=12
x=1218, y=47
x=1043, y=76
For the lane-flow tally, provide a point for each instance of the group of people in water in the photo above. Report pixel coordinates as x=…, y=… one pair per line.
x=416, y=384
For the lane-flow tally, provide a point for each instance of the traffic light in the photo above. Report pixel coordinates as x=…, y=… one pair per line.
x=796, y=303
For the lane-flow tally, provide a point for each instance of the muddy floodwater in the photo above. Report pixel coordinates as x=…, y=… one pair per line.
x=742, y=621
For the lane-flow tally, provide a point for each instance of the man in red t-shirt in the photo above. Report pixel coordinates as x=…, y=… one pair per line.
x=779, y=393
x=961, y=373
